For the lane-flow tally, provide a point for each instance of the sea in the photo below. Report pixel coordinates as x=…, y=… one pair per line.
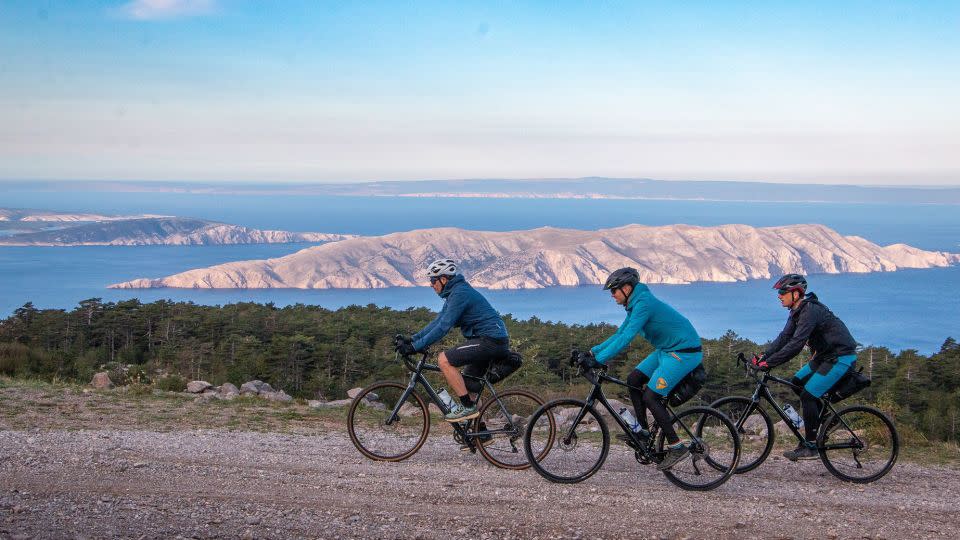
x=909, y=309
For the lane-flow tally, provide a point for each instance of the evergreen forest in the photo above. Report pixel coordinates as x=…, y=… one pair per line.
x=316, y=353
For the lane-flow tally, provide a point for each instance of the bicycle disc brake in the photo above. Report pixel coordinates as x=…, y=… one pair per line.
x=568, y=443
x=699, y=450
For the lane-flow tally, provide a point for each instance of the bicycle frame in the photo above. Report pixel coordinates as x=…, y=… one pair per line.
x=597, y=378
x=826, y=410
x=417, y=377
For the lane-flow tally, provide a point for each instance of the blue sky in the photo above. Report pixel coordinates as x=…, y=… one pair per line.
x=852, y=92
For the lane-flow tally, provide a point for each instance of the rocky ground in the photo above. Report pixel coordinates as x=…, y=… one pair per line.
x=101, y=464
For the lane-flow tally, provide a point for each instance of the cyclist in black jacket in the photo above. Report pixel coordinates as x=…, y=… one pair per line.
x=833, y=353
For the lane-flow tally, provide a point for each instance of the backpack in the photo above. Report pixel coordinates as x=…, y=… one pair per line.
x=688, y=386
x=852, y=382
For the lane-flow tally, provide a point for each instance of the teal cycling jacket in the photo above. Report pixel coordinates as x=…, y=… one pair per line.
x=655, y=321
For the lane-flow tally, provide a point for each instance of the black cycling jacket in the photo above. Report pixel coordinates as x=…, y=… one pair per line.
x=811, y=322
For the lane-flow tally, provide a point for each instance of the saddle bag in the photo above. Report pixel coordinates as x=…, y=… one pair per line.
x=505, y=367
x=851, y=383
x=688, y=386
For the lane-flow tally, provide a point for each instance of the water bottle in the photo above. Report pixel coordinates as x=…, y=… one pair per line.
x=793, y=416
x=445, y=398
x=629, y=418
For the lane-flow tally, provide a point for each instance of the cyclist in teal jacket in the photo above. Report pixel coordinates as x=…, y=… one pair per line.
x=678, y=352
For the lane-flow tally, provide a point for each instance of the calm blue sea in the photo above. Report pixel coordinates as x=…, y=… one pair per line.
x=908, y=309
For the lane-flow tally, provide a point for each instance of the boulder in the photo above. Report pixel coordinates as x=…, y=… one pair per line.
x=354, y=392
x=279, y=395
x=196, y=387
x=229, y=390
x=101, y=380
x=337, y=403
x=409, y=410
x=251, y=387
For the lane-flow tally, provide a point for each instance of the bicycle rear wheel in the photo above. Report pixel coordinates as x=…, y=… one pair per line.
x=858, y=444
x=506, y=418
x=379, y=434
x=576, y=451
x=714, y=449
x=753, y=426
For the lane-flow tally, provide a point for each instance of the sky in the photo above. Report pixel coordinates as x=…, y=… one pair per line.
x=233, y=90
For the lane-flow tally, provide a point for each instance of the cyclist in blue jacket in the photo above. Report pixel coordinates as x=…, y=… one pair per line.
x=485, y=332
x=833, y=354
x=677, y=353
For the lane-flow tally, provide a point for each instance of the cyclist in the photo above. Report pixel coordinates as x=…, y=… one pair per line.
x=677, y=353
x=833, y=353
x=485, y=332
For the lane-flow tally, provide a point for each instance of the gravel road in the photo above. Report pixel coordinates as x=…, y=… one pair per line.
x=218, y=483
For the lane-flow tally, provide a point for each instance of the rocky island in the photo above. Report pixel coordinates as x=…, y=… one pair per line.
x=550, y=256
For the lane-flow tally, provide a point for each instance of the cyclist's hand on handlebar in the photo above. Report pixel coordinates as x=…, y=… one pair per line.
x=406, y=348
x=574, y=356
x=759, y=363
x=588, y=361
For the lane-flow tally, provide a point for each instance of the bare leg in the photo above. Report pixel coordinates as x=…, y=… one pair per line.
x=453, y=376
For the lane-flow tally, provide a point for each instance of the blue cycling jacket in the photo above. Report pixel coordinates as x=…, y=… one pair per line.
x=657, y=322
x=465, y=308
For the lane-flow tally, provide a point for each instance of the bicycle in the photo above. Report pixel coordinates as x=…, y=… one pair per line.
x=581, y=447
x=390, y=421
x=856, y=444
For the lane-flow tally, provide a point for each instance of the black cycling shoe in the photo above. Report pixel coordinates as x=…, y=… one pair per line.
x=643, y=435
x=803, y=450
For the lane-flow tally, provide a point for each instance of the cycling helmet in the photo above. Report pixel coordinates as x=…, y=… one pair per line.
x=621, y=277
x=442, y=267
x=791, y=282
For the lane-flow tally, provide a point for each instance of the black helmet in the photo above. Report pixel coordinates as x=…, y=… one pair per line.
x=791, y=282
x=621, y=277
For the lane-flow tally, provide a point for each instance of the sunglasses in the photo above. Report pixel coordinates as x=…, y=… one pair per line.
x=782, y=291
x=434, y=280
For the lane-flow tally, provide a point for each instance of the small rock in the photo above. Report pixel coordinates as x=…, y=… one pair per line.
x=252, y=520
x=276, y=396
x=101, y=380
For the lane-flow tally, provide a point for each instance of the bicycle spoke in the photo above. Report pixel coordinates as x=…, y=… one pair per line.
x=377, y=432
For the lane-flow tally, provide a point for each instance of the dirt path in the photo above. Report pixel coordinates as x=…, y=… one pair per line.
x=216, y=483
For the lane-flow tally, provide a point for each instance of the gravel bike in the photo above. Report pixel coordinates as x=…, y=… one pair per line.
x=582, y=443
x=856, y=444
x=390, y=421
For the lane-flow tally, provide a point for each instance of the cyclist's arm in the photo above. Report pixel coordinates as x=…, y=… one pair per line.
x=452, y=311
x=782, y=339
x=426, y=329
x=631, y=326
x=806, y=323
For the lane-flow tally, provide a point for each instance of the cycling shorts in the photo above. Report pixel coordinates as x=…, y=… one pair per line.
x=667, y=368
x=817, y=378
x=478, y=353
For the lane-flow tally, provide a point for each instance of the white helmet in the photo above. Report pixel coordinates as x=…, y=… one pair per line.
x=442, y=267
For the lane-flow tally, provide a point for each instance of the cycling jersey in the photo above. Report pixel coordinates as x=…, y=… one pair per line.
x=464, y=308
x=655, y=321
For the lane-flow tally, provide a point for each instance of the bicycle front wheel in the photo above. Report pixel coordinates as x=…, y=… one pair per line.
x=578, y=449
x=714, y=449
x=502, y=423
x=858, y=444
x=386, y=426
x=754, y=427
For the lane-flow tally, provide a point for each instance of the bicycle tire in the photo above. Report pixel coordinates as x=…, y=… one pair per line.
x=876, y=432
x=566, y=440
x=720, y=442
x=502, y=449
x=368, y=430
x=751, y=455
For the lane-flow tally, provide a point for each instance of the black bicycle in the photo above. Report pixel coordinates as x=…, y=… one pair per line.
x=856, y=444
x=583, y=442
x=390, y=421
